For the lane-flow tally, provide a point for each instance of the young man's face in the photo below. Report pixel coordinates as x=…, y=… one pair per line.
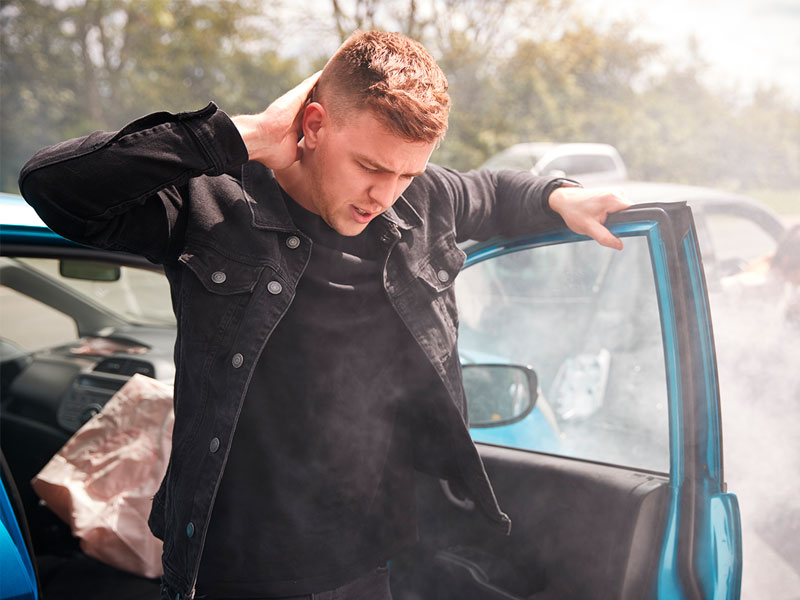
x=359, y=169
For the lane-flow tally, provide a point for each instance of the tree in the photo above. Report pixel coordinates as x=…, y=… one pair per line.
x=72, y=67
x=470, y=40
x=519, y=70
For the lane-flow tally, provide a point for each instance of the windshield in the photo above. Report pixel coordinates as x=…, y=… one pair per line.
x=139, y=296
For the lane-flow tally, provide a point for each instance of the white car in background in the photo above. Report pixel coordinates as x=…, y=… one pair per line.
x=589, y=163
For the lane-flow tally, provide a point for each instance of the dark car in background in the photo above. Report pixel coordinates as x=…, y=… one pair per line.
x=591, y=379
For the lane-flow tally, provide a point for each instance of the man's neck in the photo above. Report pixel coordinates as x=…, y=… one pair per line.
x=294, y=182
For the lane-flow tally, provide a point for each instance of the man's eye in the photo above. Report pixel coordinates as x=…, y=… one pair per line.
x=368, y=169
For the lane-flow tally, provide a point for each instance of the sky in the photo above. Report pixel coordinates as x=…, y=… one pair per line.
x=747, y=43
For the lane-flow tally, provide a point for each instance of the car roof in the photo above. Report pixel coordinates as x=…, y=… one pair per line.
x=18, y=213
x=583, y=148
x=21, y=227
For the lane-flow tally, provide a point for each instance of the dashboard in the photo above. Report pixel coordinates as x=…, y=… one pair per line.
x=65, y=386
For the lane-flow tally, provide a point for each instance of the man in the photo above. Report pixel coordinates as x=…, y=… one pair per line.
x=312, y=282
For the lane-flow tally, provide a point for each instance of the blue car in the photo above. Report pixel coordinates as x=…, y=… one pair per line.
x=592, y=390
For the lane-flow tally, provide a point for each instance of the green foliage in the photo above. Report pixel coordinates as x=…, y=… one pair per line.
x=519, y=70
x=73, y=67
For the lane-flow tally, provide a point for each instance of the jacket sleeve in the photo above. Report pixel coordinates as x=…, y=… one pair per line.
x=125, y=190
x=489, y=203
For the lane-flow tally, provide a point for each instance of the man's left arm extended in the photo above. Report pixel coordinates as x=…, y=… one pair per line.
x=488, y=203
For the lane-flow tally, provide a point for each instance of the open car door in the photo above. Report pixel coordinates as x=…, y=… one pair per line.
x=610, y=466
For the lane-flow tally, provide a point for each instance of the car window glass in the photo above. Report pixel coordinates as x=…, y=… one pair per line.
x=32, y=325
x=586, y=319
x=139, y=295
x=737, y=241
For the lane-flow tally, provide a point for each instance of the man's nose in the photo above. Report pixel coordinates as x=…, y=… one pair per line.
x=384, y=192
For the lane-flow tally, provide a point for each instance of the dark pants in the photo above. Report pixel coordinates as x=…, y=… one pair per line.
x=372, y=586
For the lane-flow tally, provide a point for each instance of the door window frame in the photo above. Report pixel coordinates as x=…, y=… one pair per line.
x=702, y=518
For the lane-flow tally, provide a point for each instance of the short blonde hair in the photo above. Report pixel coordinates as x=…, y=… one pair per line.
x=392, y=75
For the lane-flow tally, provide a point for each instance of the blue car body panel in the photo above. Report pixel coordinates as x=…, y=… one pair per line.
x=17, y=576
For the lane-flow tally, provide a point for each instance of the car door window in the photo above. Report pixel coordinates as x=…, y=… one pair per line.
x=737, y=241
x=586, y=319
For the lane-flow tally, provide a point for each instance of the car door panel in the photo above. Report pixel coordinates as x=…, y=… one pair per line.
x=586, y=523
x=567, y=515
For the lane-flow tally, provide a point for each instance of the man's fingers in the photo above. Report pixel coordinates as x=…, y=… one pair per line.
x=304, y=92
x=585, y=210
x=272, y=135
x=299, y=95
x=611, y=202
x=617, y=201
x=603, y=236
x=309, y=82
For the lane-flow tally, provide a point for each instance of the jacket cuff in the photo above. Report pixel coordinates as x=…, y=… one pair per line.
x=217, y=136
x=550, y=188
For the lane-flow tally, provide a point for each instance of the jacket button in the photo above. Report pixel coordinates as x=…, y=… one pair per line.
x=293, y=242
x=237, y=360
x=190, y=529
x=443, y=276
x=214, y=445
x=274, y=287
x=218, y=277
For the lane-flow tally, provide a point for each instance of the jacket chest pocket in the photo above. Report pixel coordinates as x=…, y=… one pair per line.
x=445, y=261
x=435, y=310
x=215, y=293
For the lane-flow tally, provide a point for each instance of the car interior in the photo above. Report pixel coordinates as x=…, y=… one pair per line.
x=63, y=354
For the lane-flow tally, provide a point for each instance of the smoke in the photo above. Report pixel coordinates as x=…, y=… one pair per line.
x=758, y=352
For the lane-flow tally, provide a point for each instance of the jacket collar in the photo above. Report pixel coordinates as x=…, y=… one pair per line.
x=261, y=189
x=265, y=198
x=402, y=214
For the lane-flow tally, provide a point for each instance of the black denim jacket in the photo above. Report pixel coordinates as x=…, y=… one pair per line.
x=178, y=189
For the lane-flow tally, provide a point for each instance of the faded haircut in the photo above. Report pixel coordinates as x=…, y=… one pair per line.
x=393, y=76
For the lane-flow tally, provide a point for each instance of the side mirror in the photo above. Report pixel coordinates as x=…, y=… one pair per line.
x=498, y=394
x=87, y=270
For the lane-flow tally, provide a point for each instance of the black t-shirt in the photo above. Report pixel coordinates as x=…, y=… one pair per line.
x=318, y=487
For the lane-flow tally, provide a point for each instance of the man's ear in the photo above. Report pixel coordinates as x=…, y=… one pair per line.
x=315, y=117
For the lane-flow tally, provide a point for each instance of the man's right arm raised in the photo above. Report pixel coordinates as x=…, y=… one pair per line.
x=123, y=190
